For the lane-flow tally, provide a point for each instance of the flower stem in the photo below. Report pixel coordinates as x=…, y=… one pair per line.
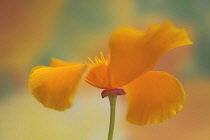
x=112, y=100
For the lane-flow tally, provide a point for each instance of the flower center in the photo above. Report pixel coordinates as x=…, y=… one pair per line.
x=116, y=91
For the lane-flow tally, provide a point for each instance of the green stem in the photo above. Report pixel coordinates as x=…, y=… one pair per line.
x=112, y=100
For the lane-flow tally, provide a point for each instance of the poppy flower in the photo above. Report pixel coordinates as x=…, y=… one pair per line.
x=153, y=96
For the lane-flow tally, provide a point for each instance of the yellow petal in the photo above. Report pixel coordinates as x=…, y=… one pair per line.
x=59, y=63
x=153, y=97
x=133, y=52
x=54, y=87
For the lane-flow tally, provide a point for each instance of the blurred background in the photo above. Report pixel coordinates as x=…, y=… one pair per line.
x=34, y=31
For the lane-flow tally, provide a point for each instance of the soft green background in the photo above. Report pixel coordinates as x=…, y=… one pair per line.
x=34, y=31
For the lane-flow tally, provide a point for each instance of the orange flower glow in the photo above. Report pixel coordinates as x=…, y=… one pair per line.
x=153, y=96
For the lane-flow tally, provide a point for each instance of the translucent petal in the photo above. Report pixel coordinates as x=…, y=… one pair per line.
x=133, y=52
x=54, y=87
x=154, y=97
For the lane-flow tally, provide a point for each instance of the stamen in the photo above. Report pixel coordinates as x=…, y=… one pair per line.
x=90, y=60
x=98, y=61
x=102, y=57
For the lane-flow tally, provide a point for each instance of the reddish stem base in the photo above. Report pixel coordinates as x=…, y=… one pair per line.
x=116, y=91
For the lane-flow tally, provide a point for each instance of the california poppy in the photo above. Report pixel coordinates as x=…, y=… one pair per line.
x=153, y=96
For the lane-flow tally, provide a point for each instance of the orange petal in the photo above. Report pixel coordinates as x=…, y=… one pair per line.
x=59, y=63
x=98, y=73
x=98, y=76
x=133, y=52
x=153, y=97
x=55, y=87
